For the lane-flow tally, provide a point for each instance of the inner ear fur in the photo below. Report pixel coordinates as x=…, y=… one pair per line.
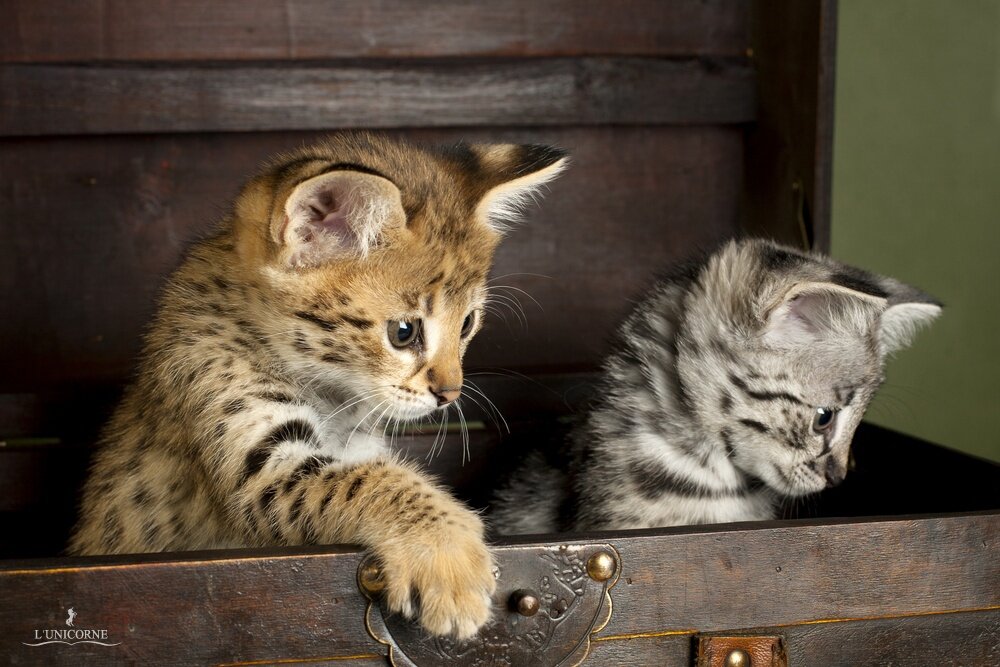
x=336, y=215
x=808, y=312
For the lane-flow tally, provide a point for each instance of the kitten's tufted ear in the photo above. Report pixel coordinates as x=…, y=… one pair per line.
x=908, y=311
x=511, y=176
x=334, y=215
x=811, y=312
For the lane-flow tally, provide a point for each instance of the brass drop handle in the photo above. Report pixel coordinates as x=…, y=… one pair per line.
x=525, y=602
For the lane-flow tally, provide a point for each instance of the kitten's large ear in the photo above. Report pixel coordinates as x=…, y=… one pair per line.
x=513, y=175
x=810, y=312
x=909, y=310
x=853, y=302
x=335, y=215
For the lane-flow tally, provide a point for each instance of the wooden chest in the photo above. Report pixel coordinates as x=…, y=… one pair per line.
x=124, y=130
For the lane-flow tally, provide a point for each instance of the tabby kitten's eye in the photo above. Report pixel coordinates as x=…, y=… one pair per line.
x=823, y=420
x=403, y=334
x=468, y=323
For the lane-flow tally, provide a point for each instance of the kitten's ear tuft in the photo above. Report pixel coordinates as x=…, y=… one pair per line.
x=513, y=176
x=909, y=310
x=336, y=215
x=811, y=312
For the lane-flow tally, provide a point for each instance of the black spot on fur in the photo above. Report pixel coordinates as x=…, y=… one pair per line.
x=234, y=406
x=220, y=431
x=266, y=499
x=333, y=358
x=726, y=403
x=141, y=497
x=301, y=345
x=296, y=509
x=255, y=460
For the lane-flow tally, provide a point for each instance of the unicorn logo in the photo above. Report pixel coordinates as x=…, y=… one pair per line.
x=70, y=616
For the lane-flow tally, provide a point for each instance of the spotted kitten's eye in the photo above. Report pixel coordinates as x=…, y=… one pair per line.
x=468, y=324
x=823, y=420
x=403, y=334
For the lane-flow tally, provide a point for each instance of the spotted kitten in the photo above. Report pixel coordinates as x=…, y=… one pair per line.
x=341, y=293
x=736, y=382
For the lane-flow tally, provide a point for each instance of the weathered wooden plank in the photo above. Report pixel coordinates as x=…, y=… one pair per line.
x=115, y=30
x=84, y=99
x=303, y=603
x=971, y=638
x=91, y=226
x=789, y=149
x=718, y=577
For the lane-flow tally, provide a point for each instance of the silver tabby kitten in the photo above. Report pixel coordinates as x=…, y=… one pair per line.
x=737, y=381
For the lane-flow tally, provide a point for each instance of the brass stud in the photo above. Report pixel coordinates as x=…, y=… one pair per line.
x=601, y=566
x=370, y=578
x=525, y=602
x=738, y=658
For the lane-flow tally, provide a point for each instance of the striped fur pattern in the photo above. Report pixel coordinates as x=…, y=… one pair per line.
x=738, y=381
x=276, y=364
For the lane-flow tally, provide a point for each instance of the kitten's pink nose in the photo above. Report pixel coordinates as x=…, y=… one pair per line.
x=445, y=382
x=446, y=396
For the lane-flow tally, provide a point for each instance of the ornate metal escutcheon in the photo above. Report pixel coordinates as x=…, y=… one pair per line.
x=549, y=601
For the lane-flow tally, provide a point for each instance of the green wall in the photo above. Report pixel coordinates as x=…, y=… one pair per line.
x=916, y=194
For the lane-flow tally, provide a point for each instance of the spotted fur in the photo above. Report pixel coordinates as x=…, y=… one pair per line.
x=708, y=403
x=268, y=380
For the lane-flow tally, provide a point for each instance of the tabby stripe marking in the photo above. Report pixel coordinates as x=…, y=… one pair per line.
x=294, y=430
x=755, y=425
x=291, y=431
x=763, y=395
x=315, y=319
x=653, y=481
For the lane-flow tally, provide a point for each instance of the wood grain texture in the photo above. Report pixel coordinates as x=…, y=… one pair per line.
x=789, y=149
x=94, y=224
x=972, y=638
x=114, y=30
x=83, y=99
x=303, y=603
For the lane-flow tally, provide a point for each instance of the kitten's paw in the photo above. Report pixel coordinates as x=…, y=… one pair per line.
x=442, y=575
